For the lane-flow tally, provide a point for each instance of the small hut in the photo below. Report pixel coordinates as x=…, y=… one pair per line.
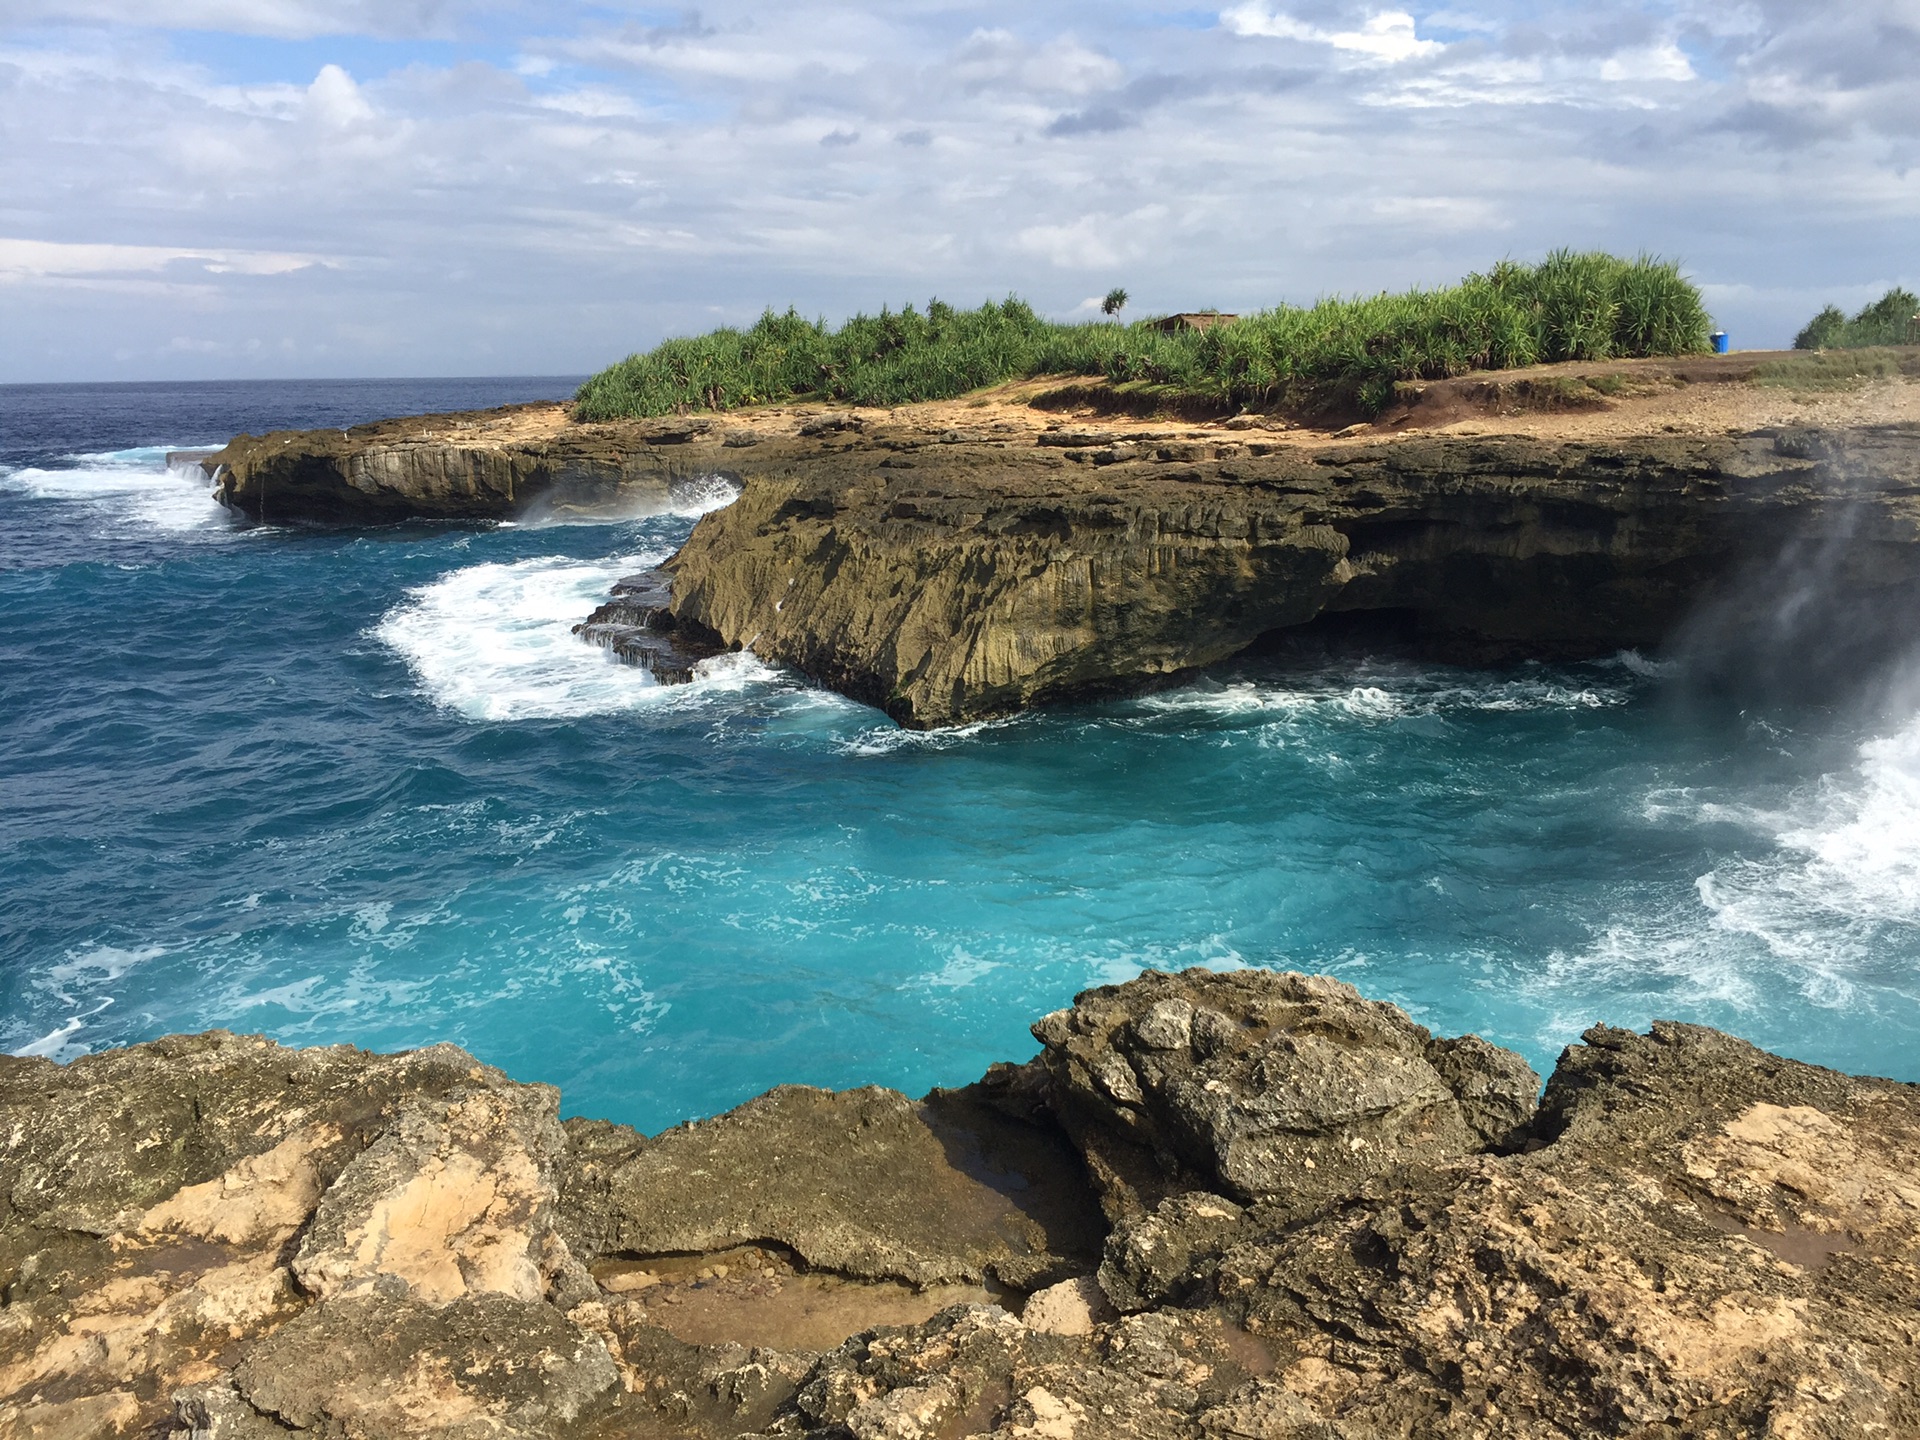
x=1193, y=320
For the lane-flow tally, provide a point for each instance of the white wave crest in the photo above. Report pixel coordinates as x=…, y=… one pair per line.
x=134, y=484
x=702, y=495
x=1383, y=699
x=1823, y=908
x=76, y=983
x=891, y=740
x=1847, y=870
x=57, y=1044
x=496, y=642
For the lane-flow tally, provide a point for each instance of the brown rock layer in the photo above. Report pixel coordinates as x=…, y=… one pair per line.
x=214, y=1237
x=948, y=572
x=485, y=465
x=949, y=583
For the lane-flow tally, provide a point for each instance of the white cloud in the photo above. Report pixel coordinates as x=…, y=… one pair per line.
x=39, y=259
x=603, y=183
x=1389, y=37
x=281, y=19
x=1665, y=61
x=333, y=99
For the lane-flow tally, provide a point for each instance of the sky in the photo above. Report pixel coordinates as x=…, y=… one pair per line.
x=260, y=188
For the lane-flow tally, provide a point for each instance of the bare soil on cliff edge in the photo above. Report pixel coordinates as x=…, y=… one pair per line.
x=1575, y=402
x=1595, y=401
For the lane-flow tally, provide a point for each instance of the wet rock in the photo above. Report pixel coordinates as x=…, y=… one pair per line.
x=864, y=1182
x=1285, y=1089
x=637, y=625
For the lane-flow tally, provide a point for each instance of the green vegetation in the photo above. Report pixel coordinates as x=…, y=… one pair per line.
x=1334, y=356
x=1837, y=369
x=1893, y=319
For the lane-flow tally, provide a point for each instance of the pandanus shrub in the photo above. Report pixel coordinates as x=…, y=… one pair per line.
x=1338, y=354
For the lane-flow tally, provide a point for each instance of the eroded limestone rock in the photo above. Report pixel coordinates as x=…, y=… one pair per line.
x=167, y=1208
x=474, y=1367
x=456, y=1199
x=947, y=573
x=1606, y=1284
x=216, y=1238
x=863, y=1182
x=1287, y=1089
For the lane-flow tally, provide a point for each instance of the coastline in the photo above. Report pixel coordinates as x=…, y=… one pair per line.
x=957, y=561
x=1217, y=1204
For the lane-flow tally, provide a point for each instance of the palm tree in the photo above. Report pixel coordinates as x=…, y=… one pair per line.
x=1115, y=302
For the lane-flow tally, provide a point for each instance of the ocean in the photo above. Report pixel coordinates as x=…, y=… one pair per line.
x=363, y=785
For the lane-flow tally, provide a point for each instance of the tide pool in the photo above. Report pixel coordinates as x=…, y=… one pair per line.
x=365, y=786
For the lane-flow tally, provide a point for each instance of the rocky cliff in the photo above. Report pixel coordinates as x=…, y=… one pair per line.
x=949, y=563
x=946, y=583
x=486, y=465
x=1226, y=1207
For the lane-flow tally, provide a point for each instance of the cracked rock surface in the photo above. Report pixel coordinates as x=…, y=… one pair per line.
x=1247, y=1206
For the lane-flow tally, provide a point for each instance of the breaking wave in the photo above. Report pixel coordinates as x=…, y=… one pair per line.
x=496, y=642
x=136, y=485
x=1843, y=885
x=1385, y=697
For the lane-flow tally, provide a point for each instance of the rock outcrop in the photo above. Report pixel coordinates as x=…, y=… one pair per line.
x=1286, y=1090
x=476, y=465
x=637, y=626
x=948, y=564
x=947, y=582
x=1300, y=1216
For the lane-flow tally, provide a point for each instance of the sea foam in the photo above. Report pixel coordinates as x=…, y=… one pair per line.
x=496, y=642
x=1845, y=874
x=135, y=485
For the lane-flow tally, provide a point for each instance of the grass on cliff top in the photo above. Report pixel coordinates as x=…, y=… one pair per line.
x=1336, y=356
x=1893, y=319
x=1840, y=369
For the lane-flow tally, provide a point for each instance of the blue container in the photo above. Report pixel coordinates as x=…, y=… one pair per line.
x=1720, y=342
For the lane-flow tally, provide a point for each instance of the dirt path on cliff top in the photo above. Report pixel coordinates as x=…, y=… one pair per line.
x=1712, y=395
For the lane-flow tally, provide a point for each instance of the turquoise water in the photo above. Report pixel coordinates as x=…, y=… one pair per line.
x=365, y=786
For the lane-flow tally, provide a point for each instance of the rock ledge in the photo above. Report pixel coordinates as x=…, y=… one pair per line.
x=1243, y=1206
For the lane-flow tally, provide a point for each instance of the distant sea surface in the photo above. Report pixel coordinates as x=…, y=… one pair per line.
x=364, y=785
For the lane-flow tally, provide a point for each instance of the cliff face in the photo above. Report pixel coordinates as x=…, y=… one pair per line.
x=487, y=465
x=1221, y=1207
x=949, y=565
x=946, y=582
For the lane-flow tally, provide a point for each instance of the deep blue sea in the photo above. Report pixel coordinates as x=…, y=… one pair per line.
x=363, y=785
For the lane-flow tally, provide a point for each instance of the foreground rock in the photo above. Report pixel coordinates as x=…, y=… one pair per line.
x=1242, y=1206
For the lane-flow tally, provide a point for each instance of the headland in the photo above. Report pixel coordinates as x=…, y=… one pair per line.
x=1040, y=543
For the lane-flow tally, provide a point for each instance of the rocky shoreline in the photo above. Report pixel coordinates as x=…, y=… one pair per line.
x=953, y=562
x=1237, y=1206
